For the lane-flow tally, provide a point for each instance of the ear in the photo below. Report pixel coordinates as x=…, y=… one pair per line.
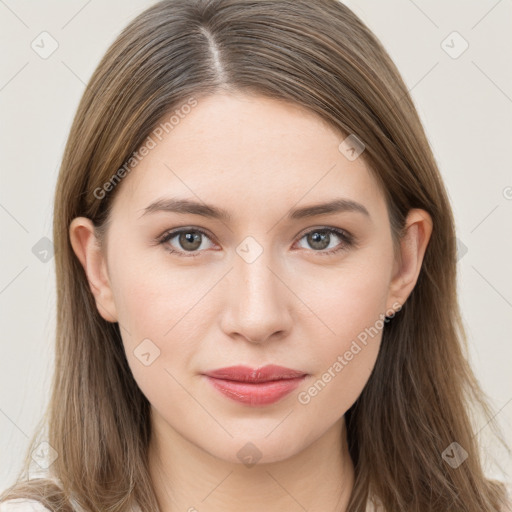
x=418, y=228
x=88, y=251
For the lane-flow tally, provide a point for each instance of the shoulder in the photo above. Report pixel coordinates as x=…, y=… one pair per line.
x=374, y=504
x=22, y=505
x=506, y=505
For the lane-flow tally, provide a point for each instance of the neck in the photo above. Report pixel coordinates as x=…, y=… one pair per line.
x=186, y=478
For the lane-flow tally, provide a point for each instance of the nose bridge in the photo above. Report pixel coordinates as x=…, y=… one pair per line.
x=258, y=283
x=258, y=306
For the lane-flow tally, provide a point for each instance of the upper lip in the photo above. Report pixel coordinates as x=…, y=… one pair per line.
x=246, y=374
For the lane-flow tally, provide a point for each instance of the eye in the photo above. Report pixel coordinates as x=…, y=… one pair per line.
x=190, y=241
x=321, y=238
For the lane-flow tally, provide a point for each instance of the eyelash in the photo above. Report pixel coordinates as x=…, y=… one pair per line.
x=348, y=240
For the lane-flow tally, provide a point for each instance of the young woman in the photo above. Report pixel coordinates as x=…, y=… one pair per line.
x=256, y=268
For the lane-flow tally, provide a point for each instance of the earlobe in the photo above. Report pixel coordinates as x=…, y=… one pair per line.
x=87, y=250
x=413, y=246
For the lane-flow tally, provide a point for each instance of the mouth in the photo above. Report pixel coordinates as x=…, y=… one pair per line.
x=261, y=386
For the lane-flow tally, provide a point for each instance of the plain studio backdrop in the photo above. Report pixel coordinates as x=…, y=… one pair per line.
x=455, y=59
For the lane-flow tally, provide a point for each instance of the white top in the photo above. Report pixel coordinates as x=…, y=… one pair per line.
x=24, y=505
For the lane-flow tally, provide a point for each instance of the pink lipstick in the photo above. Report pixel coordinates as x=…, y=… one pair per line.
x=261, y=386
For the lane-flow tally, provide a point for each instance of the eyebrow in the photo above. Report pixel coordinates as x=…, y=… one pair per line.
x=173, y=205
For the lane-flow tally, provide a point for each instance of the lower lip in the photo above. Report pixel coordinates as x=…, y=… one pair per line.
x=262, y=393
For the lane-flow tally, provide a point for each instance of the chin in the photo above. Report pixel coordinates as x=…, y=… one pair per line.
x=250, y=450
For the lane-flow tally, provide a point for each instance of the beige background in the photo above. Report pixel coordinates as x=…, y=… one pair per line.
x=464, y=102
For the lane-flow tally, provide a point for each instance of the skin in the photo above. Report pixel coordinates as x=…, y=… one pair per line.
x=258, y=158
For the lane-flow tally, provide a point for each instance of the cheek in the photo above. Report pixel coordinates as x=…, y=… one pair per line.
x=167, y=313
x=351, y=298
x=151, y=296
x=353, y=307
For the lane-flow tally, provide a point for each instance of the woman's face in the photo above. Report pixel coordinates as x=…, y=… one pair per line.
x=256, y=287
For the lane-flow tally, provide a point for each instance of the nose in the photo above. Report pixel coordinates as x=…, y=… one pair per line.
x=257, y=305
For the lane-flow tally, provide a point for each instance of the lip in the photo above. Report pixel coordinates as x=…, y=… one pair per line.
x=260, y=386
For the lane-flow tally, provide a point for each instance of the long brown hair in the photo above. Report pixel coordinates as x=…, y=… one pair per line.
x=320, y=55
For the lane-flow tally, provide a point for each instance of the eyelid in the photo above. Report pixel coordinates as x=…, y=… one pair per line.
x=333, y=229
x=348, y=240
x=171, y=233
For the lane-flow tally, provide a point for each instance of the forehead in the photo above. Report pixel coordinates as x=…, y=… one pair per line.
x=248, y=152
